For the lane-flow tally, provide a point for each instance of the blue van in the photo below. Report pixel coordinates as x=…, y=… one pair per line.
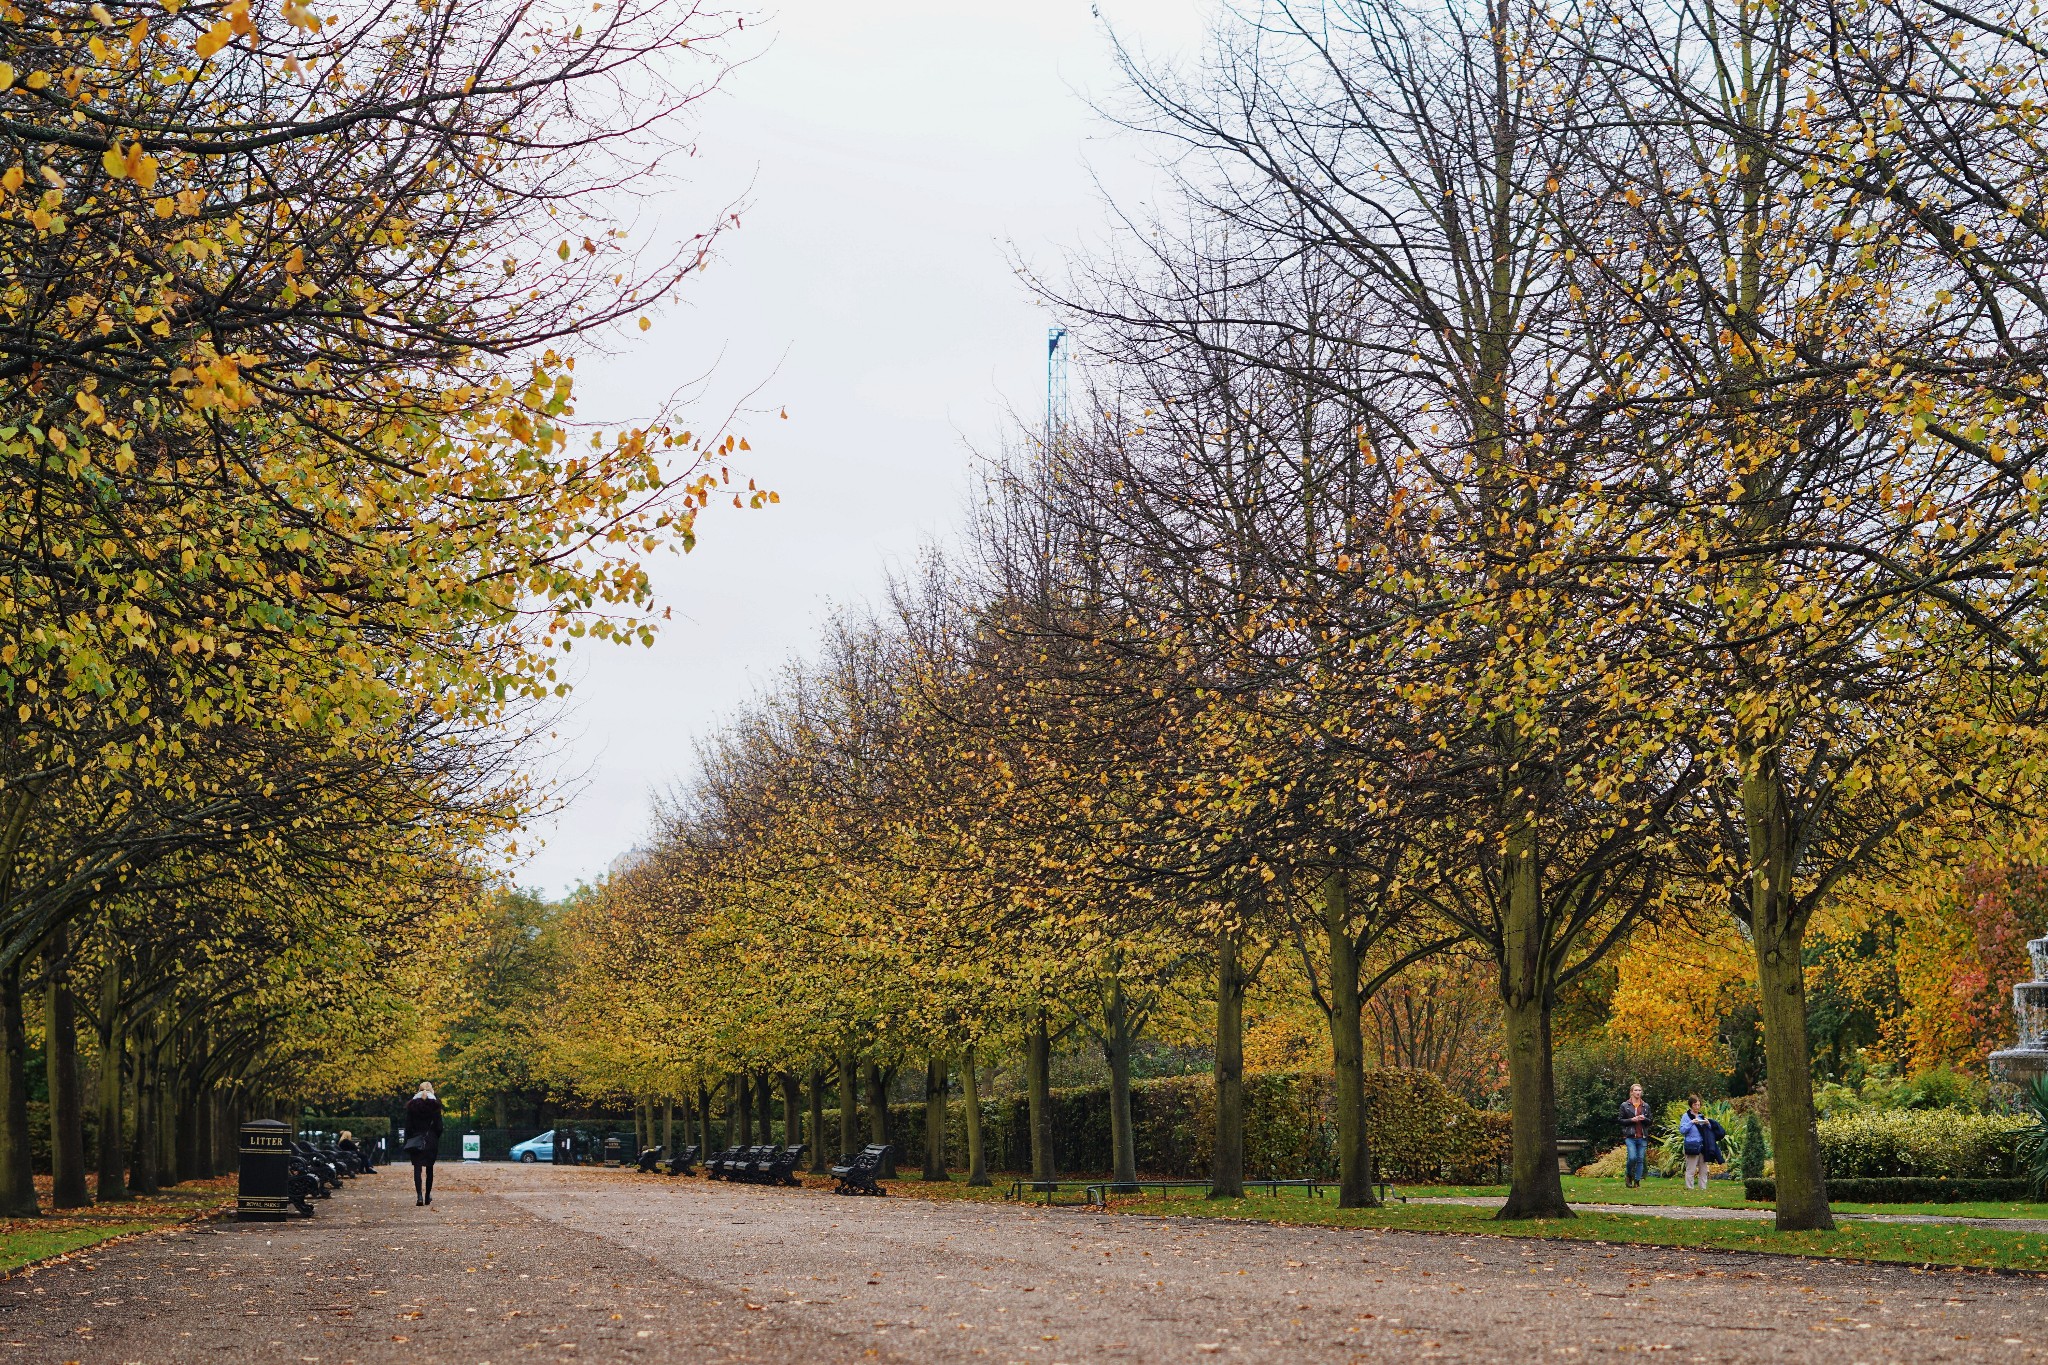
x=541, y=1148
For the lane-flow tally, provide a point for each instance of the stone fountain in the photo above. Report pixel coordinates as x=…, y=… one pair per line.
x=2021, y=1063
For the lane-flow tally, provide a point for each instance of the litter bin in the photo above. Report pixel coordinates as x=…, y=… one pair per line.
x=565, y=1147
x=472, y=1147
x=611, y=1151
x=265, y=1149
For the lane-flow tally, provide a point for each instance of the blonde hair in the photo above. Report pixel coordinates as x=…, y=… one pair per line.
x=427, y=1089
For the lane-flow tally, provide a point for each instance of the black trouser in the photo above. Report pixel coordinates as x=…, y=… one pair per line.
x=422, y=1190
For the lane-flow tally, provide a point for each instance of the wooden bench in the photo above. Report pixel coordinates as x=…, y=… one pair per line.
x=857, y=1173
x=684, y=1162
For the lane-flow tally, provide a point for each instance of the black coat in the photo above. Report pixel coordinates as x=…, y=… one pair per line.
x=423, y=1118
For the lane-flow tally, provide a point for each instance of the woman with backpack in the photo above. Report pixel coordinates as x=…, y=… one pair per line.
x=423, y=1141
x=1702, y=1137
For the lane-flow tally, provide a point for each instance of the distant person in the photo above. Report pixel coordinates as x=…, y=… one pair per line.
x=1635, y=1134
x=1702, y=1137
x=423, y=1141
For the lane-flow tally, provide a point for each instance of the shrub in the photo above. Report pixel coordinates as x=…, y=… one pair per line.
x=1594, y=1074
x=2035, y=1145
x=1923, y=1142
x=1419, y=1130
x=1753, y=1149
x=1903, y=1190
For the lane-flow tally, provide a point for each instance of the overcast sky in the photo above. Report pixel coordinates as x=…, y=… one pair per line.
x=892, y=154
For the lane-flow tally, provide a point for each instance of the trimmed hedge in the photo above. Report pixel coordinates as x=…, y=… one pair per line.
x=1419, y=1130
x=1906, y=1190
x=1924, y=1143
x=371, y=1126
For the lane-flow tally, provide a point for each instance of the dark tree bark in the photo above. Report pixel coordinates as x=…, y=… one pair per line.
x=935, y=1118
x=68, y=1187
x=970, y=1100
x=17, y=1175
x=878, y=1113
x=849, y=1105
x=1038, y=1077
x=1226, y=1176
x=815, y=1131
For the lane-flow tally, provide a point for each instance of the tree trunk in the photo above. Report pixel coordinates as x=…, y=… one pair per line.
x=849, y=1105
x=166, y=1119
x=17, y=1173
x=112, y=1181
x=191, y=1129
x=792, y=1109
x=1038, y=1077
x=1226, y=1175
x=704, y=1143
x=742, y=1105
x=878, y=1114
x=1535, y=1188
x=1779, y=933
x=970, y=1101
x=814, y=1125
x=68, y=1188
x=764, y=1106
x=935, y=1118
x=1347, y=1050
x=1117, y=1042
x=142, y=1154
x=1802, y=1190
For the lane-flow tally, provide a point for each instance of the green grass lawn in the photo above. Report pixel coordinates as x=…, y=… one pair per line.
x=24, y=1241
x=1909, y=1243
x=1725, y=1194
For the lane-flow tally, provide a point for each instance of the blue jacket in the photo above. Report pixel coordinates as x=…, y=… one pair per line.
x=1702, y=1136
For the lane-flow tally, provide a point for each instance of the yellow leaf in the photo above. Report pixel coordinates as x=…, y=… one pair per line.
x=115, y=163
x=645, y=324
x=6, y=76
x=11, y=181
x=215, y=38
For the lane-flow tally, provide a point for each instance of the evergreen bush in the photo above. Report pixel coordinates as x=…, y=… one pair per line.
x=1420, y=1131
x=1924, y=1142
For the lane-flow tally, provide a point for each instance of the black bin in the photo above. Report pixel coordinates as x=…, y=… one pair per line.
x=266, y=1171
x=565, y=1147
x=611, y=1151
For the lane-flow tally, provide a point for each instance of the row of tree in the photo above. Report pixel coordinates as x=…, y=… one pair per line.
x=1551, y=469
x=296, y=516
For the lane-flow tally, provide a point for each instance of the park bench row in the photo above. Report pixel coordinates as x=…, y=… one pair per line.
x=769, y=1164
x=316, y=1172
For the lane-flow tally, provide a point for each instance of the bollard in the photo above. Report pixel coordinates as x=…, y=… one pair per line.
x=266, y=1171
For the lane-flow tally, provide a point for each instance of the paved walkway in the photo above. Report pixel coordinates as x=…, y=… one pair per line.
x=1709, y=1211
x=523, y=1263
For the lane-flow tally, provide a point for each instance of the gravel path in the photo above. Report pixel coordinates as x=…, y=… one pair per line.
x=530, y=1263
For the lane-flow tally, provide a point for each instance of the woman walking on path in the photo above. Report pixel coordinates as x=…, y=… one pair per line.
x=1702, y=1137
x=1635, y=1133
x=423, y=1141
